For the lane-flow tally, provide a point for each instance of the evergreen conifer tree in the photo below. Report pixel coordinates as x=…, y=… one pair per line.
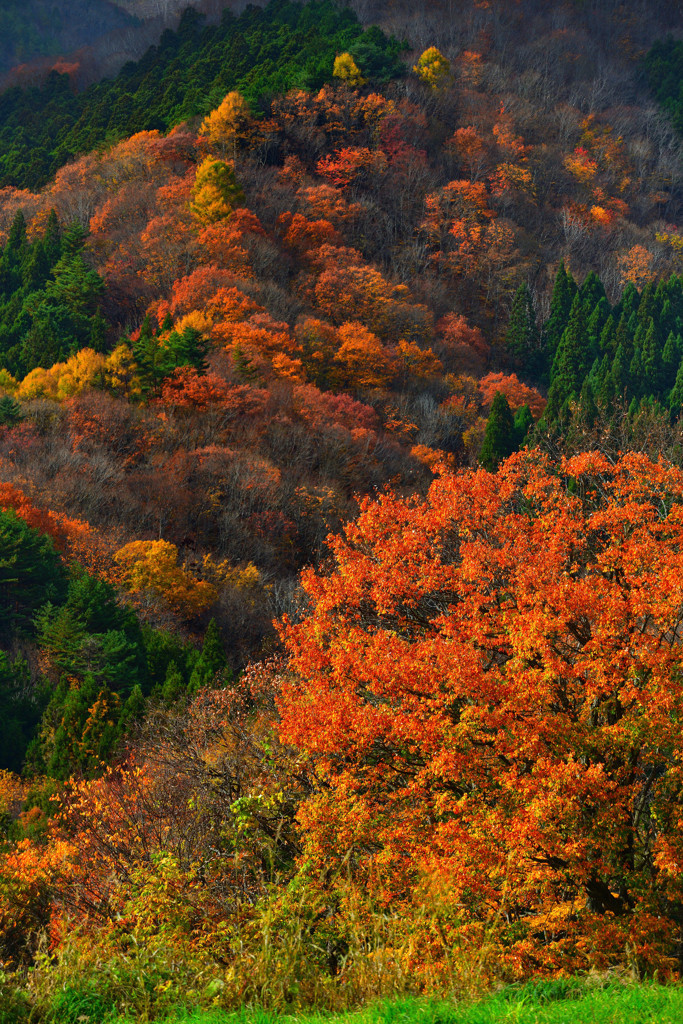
x=523, y=422
x=608, y=337
x=676, y=396
x=671, y=360
x=564, y=291
x=587, y=410
x=573, y=359
x=652, y=361
x=53, y=239
x=621, y=372
x=500, y=439
x=630, y=300
x=521, y=338
x=647, y=307
x=10, y=411
x=636, y=373
x=592, y=291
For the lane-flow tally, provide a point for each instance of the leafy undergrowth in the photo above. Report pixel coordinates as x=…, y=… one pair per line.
x=559, y=1002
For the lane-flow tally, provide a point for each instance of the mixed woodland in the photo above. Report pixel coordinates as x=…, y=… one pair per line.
x=31, y=29
x=341, y=509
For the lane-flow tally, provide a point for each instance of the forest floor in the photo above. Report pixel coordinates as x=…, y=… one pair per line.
x=564, y=1002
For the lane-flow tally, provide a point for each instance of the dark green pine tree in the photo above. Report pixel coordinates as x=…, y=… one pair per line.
x=13, y=256
x=671, y=360
x=36, y=267
x=624, y=338
x=173, y=687
x=133, y=710
x=20, y=710
x=53, y=239
x=674, y=299
x=607, y=394
x=676, y=396
x=98, y=332
x=564, y=291
x=31, y=573
x=521, y=337
x=524, y=422
x=152, y=356
x=587, y=410
x=652, y=362
x=68, y=713
x=10, y=411
x=621, y=372
x=636, y=373
x=632, y=325
x=608, y=337
x=630, y=300
x=599, y=370
x=592, y=291
x=211, y=661
x=42, y=345
x=667, y=320
x=500, y=439
x=639, y=336
x=189, y=349
x=573, y=360
x=72, y=240
x=75, y=286
x=663, y=307
x=647, y=307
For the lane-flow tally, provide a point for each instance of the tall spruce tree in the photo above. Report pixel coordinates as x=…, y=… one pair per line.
x=676, y=396
x=652, y=361
x=573, y=359
x=564, y=291
x=521, y=337
x=524, y=422
x=500, y=439
x=671, y=360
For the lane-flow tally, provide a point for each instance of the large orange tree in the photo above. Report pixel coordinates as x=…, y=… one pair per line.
x=489, y=682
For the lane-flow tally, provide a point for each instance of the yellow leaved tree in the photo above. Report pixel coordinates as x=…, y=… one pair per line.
x=216, y=191
x=150, y=568
x=433, y=68
x=227, y=124
x=348, y=71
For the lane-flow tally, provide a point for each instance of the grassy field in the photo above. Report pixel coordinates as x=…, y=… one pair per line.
x=543, y=1003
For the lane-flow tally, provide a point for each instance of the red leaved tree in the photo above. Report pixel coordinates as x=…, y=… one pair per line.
x=489, y=681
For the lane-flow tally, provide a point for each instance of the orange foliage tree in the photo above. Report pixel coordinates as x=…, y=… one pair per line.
x=150, y=568
x=489, y=682
x=515, y=391
x=353, y=165
x=362, y=359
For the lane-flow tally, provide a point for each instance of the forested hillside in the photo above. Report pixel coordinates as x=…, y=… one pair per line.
x=261, y=53
x=341, y=391
x=33, y=28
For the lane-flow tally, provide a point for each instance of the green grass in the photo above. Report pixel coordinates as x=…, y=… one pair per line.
x=567, y=1002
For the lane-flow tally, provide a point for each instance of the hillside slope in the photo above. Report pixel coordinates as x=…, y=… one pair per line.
x=309, y=692
x=43, y=27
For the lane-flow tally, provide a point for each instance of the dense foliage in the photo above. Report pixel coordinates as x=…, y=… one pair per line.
x=664, y=70
x=30, y=28
x=49, y=305
x=490, y=686
x=456, y=761
x=98, y=665
x=262, y=52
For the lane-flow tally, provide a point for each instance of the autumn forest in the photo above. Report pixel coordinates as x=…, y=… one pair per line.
x=341, y=503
